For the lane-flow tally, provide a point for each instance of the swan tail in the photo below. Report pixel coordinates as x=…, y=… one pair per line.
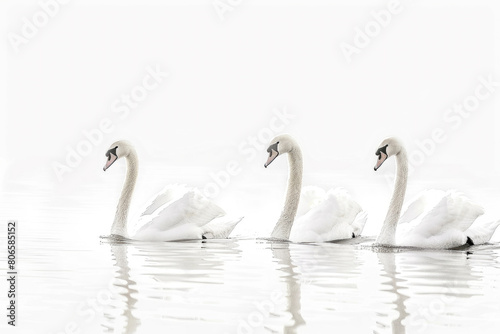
x=359, y=223
x=220, y=228
x=482, y=233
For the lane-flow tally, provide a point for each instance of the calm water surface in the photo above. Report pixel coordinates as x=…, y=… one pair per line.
x=257, y=286
x=72, y=281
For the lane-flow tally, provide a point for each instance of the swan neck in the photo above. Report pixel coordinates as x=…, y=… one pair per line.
x=120, y=223
x=387, y=235
x=285, y=222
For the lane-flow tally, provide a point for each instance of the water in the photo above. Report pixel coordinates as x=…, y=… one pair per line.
x=73, y=281
x=258, y=286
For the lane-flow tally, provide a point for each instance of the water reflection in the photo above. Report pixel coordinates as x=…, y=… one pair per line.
x=212, y=286
x=281, y=252
x=430, y=288
x=124, y=320
x=223, y=286
x=388, y=261
x=180, y=283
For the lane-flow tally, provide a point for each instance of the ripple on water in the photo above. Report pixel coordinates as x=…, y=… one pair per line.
x=257, y=286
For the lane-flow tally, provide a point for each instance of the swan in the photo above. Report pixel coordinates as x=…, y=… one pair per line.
x=176, y=213
x=324, y=216
x=436, y=219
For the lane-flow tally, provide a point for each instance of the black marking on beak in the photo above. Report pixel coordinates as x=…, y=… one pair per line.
x=382, y=154
x=111, y=154
x=381, y=150
x=111, y=151
x=273, y=153
x=273, y=147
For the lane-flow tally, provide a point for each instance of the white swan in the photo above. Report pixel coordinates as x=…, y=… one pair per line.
x=324, y=216
x=176, y=213
x=436, y=219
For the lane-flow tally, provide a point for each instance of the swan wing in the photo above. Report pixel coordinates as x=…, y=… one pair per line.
x=444, y=225
x=181, y=218
x=332, y=219
x=167, y=195
x=310, y=197
x=421, y=205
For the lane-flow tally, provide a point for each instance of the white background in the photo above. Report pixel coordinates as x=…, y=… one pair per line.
x=226, y=78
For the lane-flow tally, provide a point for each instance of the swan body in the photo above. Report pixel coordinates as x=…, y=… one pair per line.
x=321, y=216
x=176, y=213
x=435, y=220
x=336, y=216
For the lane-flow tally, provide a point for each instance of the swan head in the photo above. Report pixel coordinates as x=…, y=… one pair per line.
x=386, y=149
x=280, y=145
x=117, y=150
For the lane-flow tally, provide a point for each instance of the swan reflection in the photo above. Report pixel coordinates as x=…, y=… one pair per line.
x=124, y=320
x=281, y=252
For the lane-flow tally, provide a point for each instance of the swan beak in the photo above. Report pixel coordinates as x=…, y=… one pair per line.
x=272, y=155
x=382, y=157
x=111, y=159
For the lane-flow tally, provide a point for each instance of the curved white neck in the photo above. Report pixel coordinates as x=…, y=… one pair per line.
x=285, y=222
x=120, y=223
x=387, y=234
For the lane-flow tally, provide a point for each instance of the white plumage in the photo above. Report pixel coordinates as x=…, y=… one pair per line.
x=176, y=213
x=442, y=222
x=321, y=216
x=332, y=216
x=179, y=213
x=435, y=219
